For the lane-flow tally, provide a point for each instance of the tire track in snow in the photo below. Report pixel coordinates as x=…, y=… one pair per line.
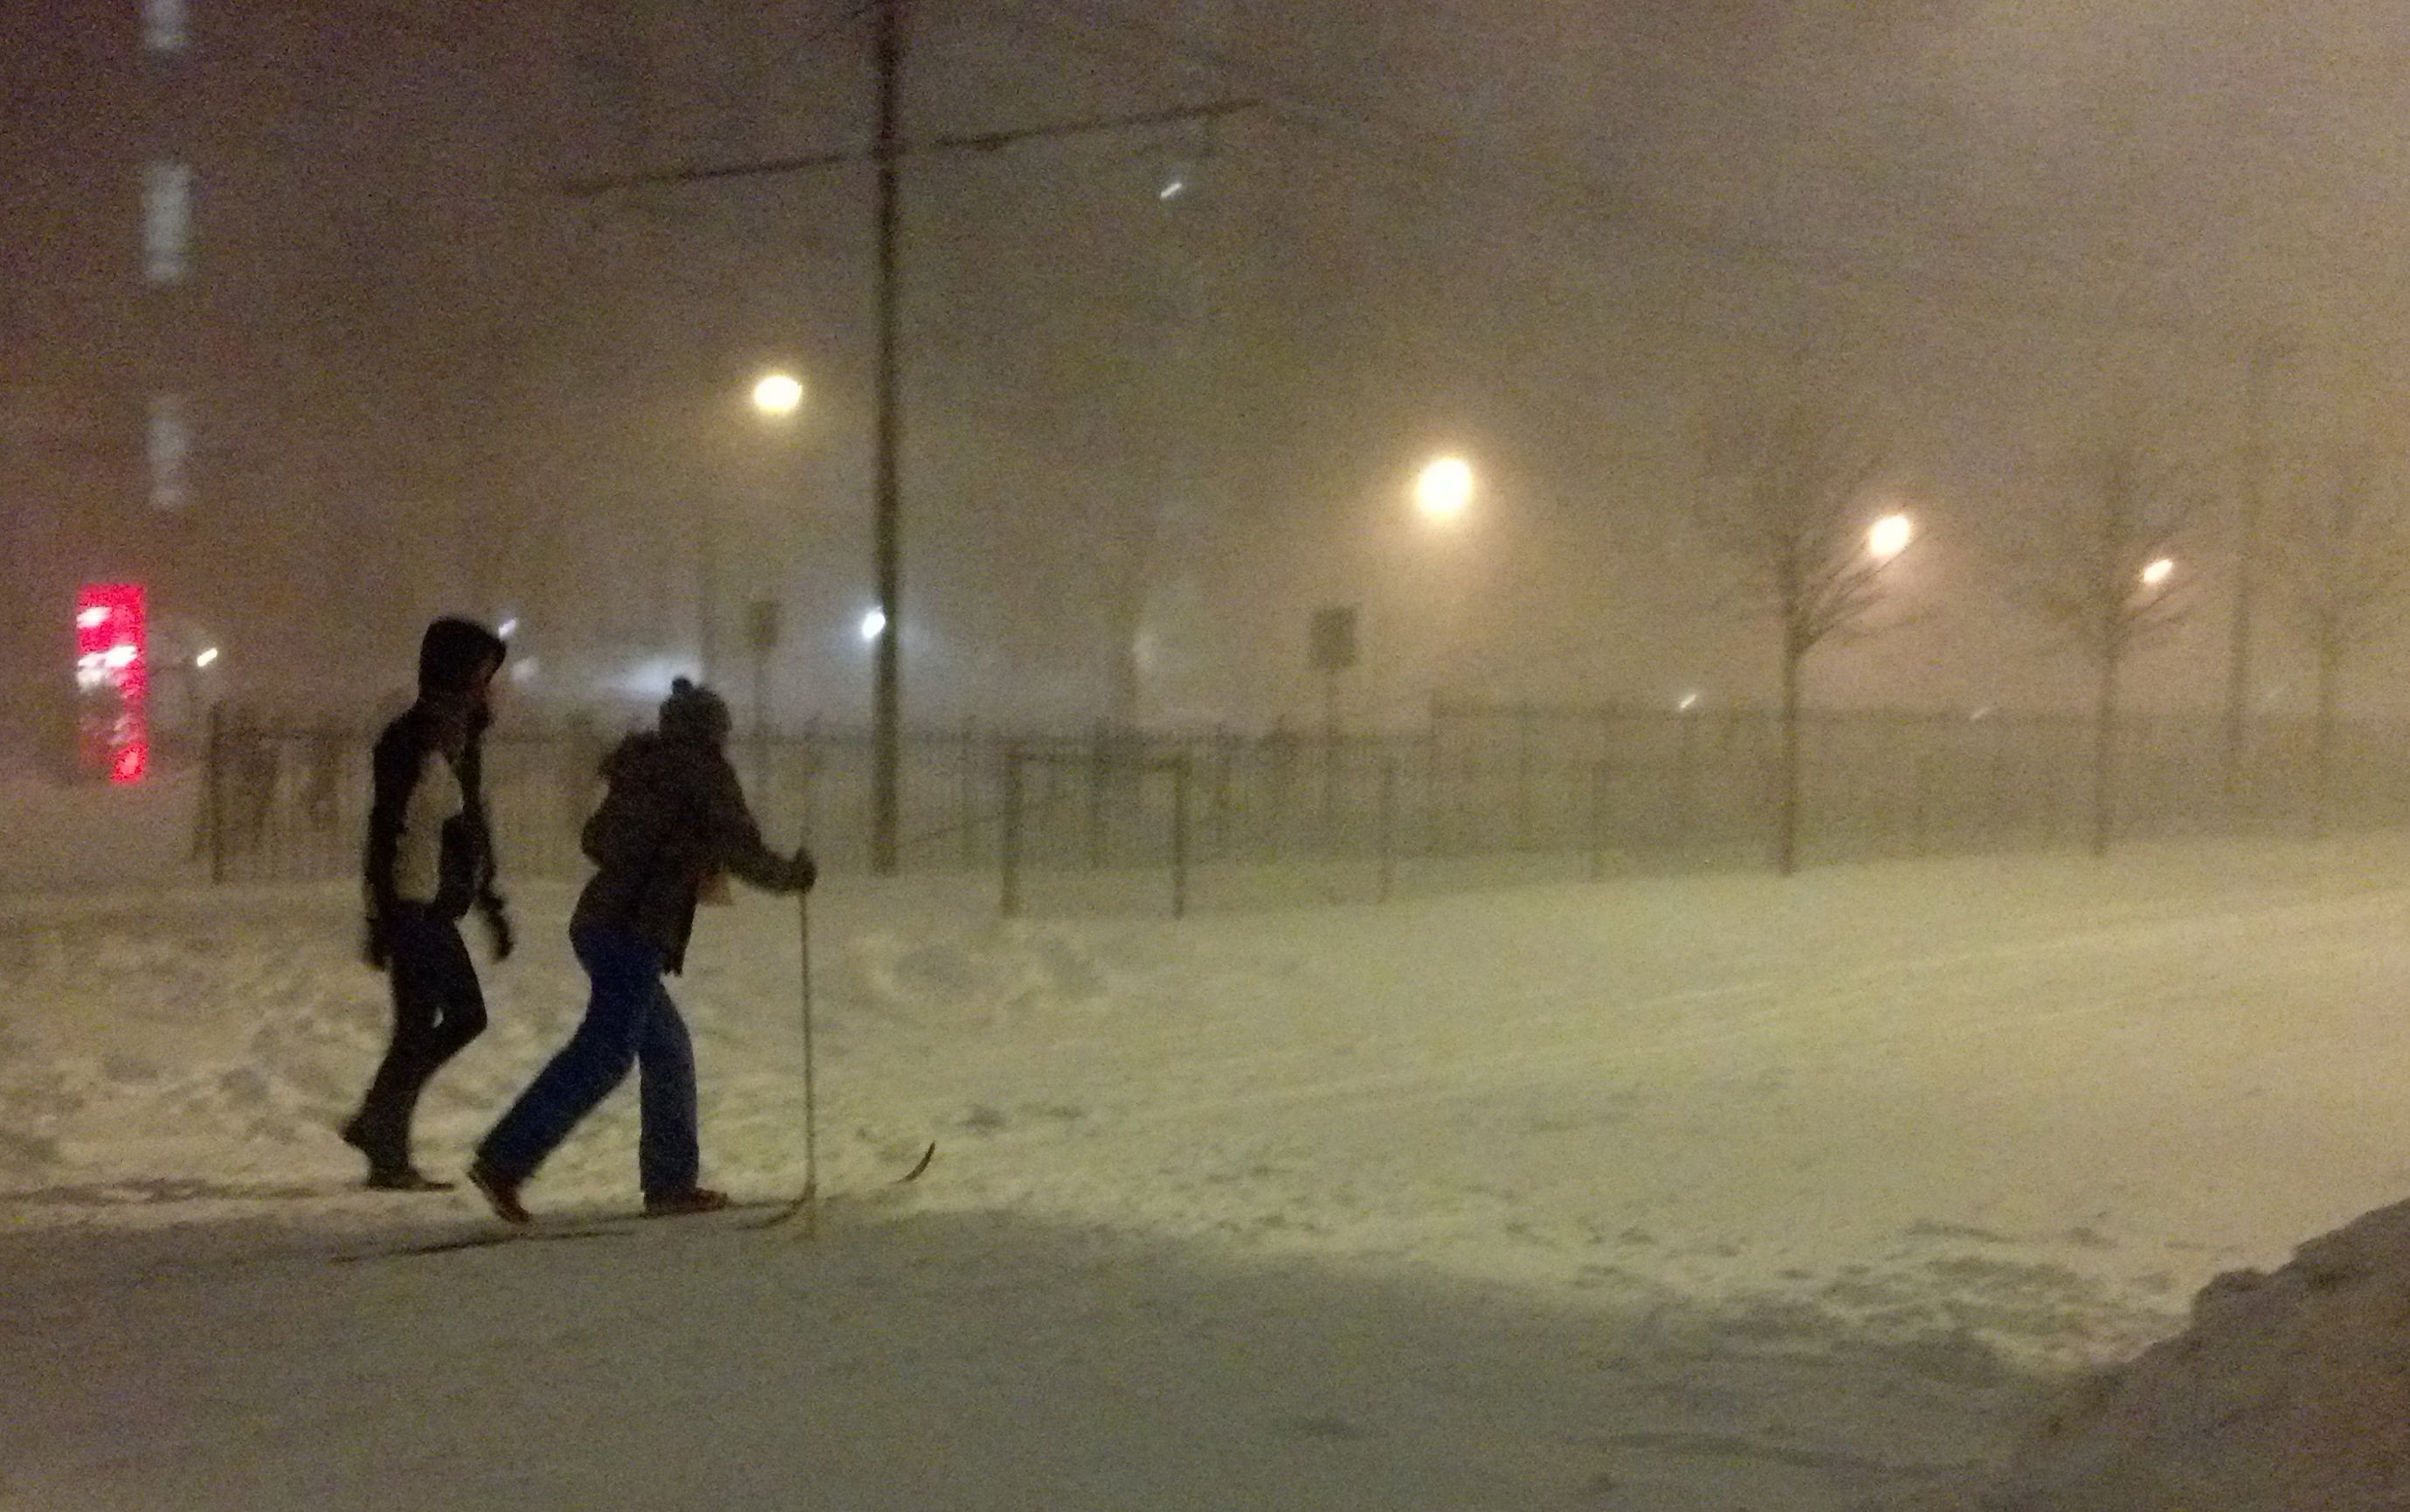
x=1440, y=1068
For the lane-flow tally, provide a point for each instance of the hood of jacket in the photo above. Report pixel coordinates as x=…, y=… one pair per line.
x=453, y=653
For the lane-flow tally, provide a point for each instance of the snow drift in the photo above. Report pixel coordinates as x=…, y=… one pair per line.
x=2289, y=1392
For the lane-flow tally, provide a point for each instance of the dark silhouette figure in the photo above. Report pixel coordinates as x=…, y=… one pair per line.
x=672, y=824
x=430, y=858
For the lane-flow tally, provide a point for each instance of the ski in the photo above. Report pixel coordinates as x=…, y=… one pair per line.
x=787, y=1211
x=547, y=1231
x=744, y=1217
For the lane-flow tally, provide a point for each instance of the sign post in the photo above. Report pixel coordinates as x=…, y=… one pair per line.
x=761, y=635
x=1333, y=650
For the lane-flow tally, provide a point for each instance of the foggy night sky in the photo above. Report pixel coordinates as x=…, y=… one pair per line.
x=1543, y=233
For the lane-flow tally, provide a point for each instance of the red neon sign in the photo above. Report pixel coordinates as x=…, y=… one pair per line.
x=113, y=681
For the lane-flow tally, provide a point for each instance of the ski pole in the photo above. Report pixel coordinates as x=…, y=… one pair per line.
x=811, y=1111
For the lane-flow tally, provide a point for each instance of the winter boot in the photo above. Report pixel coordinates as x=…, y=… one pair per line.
x=680, y=1203
x=502, y=1192
x=403, y=1179
x=389, y=1170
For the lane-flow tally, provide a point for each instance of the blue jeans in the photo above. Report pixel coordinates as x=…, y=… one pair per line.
x=629, y=1020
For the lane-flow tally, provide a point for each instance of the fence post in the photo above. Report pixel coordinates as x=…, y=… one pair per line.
x=1432, y=828
x=1389, y=828
x=1523, y=732
x=1224, y=744
x=1010, y=844
x=810, y=779
x=1598, y=806
x=214, y=797
x=1099, y=771
x=1686, y=775
x=966, y=763
x=1180, y=835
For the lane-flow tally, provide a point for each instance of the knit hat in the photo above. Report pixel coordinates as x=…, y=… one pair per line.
x=454, y=653
x=693, y=712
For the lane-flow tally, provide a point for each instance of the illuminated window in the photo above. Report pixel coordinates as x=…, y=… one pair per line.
x=166, y=220
x=163, y=25
x=169, y=446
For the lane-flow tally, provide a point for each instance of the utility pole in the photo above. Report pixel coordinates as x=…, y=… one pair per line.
x=887, y=699
x=888, y=149
x=706, y=586
x=2257, y=375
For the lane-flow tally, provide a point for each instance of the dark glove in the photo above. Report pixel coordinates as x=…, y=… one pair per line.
x=801, y=872
x=373, y=949
x=497, y=925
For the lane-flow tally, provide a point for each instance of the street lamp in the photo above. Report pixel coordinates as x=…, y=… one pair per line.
x=1888, y=536
x=1443, y=489
x=2158, y=572
x=778, y=394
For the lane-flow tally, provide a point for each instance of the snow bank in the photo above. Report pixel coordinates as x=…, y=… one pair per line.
x=2289, y=1392
x=87, y=834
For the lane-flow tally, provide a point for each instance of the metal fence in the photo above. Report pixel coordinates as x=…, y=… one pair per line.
x=1621, y=789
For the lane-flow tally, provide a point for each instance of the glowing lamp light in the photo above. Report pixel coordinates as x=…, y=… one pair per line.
x=1689, y=701
x=1172, y=188
x=92, y=617
x=779, y=393
x=207, y=657
x=874, y=624
x=1443, y=488
x=1889, y=536
x=2158, y=572
x=507, y=629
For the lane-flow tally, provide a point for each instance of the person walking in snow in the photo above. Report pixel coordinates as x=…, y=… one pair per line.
x=430, y=859
x=672, y=821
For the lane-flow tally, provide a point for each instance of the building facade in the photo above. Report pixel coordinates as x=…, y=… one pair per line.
x=243, y=243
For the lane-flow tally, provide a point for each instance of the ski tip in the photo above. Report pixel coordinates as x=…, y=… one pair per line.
x=919, y=1166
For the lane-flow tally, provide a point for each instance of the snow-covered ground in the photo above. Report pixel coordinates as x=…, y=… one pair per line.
x=1695, y=1193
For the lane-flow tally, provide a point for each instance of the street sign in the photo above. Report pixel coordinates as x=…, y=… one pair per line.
x=761, y=625
x=1333, y=641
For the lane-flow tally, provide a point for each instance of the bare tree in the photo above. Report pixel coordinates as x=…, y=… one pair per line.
x=2344, y=569
x=1786, y=502
x=2103, y=572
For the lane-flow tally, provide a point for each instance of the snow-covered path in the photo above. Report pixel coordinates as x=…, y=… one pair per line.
x=1696, y=1192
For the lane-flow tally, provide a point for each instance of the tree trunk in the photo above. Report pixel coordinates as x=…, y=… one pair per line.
x=1127, y=692
x=2104, y=756
x=1786, y=800
x=2322, y=738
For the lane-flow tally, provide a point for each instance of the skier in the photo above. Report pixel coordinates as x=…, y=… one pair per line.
x=430, y=858
x=672, y=821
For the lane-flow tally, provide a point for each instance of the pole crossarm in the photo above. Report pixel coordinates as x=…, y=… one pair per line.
x=982, y=142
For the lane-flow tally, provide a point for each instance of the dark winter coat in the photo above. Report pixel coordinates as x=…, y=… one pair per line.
x=453, y=655
x=673, y=818
x=466, y=865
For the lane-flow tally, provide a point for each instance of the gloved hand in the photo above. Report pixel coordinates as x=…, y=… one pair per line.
x=497, y=925
x=802, y=872
x=373, y=949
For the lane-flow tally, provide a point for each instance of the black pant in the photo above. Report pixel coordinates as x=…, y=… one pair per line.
x=437, y=1010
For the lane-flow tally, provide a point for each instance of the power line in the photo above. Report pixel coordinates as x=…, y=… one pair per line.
x=1443, y=163
x=985, y=142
